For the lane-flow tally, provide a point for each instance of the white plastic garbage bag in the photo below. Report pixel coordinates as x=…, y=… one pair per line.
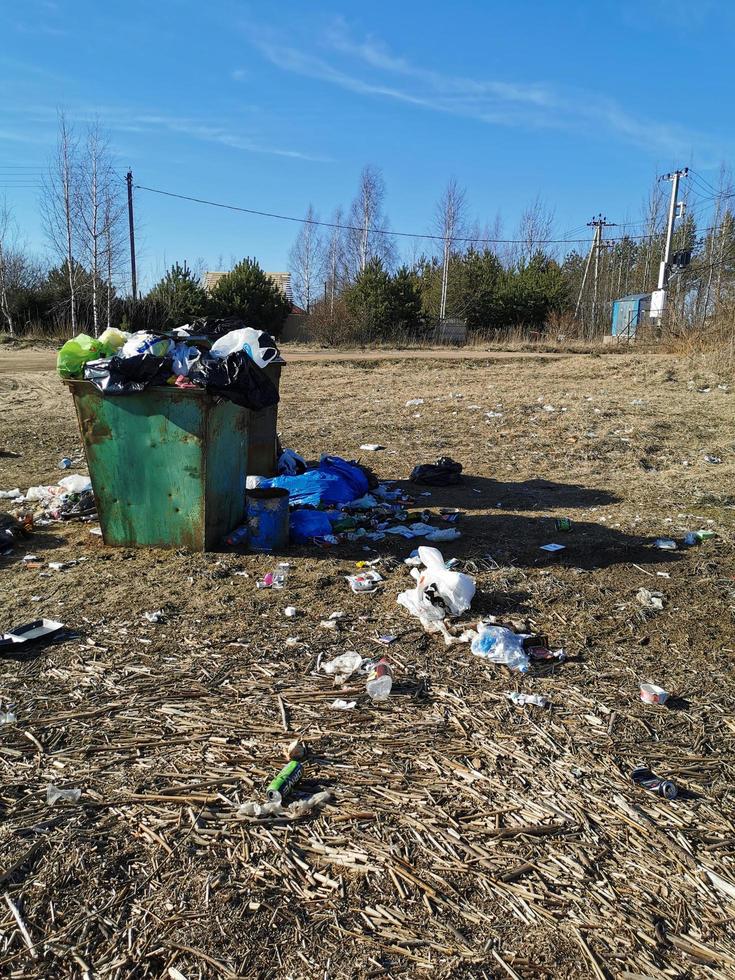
x=184, y=358
x=76, y=483
x=439, y=592
x=145, y=343
x=257, y=344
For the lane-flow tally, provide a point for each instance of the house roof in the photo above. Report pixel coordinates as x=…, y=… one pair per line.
x=633, y=296
x=280, y=279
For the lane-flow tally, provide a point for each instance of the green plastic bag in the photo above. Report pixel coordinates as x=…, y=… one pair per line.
x=76, y=352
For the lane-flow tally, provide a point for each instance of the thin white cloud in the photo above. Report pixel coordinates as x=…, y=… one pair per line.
x=367, y=67
x=130, y=120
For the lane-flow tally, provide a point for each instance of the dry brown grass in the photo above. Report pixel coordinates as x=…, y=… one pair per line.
x=464, y=837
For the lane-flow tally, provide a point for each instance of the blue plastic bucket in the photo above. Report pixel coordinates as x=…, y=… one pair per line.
x=266, y=515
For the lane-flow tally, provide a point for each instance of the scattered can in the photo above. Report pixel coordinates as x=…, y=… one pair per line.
x=280, y=787
x=563, y=524
x=652, y=694
x=642, y=776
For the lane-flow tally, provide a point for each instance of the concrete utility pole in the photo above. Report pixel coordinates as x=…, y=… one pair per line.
x=658, y=300
x=131, y=227
x=598, y=224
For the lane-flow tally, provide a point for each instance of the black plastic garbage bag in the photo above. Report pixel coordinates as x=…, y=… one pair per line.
x=128, y=375
x=237, y=378
x=444, y=473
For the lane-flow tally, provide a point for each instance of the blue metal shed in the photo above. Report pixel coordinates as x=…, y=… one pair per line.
x=628, y=312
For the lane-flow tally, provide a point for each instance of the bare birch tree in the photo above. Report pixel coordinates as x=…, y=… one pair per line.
x=59, y=206
x=6, y=230
x=95, y=215
x=449, y=222
x=534, y=229
x=334, y=256
x=305, y=261
x=366, y=217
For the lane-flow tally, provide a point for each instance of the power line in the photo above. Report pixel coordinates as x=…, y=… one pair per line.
x=375, y=231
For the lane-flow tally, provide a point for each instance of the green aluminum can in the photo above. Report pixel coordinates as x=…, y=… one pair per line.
x=563, y=524
x=281, y=786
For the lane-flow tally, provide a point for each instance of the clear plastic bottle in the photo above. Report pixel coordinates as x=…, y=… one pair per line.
x=280, y=576
x=380, y=681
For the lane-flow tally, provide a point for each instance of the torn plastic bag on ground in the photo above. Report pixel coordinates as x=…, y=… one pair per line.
x=290, y=463
x=333, y=483
x=128, y=375
x=307, y=524
x=237, y=378
x=439, y=593
x=444, y=473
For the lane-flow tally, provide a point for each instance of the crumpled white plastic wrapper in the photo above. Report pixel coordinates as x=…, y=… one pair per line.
x=343, y=666
x=299, y=808
x=341, y=705
x=53, y=793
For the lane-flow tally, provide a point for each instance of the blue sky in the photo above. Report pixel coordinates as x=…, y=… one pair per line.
x=272, y=106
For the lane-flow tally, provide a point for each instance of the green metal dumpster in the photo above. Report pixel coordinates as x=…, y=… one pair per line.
x=168, y=465
x=262, y=453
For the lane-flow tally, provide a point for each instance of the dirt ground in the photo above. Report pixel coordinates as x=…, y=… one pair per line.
x=464, y=837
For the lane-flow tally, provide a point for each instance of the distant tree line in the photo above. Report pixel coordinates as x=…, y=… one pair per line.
x=349, y=273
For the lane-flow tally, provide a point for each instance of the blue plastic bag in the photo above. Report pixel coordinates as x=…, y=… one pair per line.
x=308, y=524
x=333, y=483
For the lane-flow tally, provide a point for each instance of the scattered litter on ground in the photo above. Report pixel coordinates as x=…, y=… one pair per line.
x=365, y=581
x=54, y=794
x=340, y=705
x=444, y=473
x=501, y=645
x=643, y=777
x=372, y=447
x=652, y=694
x=379, y=681
x=414, y=401
x=155, y=617
x=552, y=547
x=520, y=700
x=651, y=600
x=665, y=544
x=713, y=459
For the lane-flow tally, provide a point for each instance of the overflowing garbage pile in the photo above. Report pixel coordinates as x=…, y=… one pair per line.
x=222, y=356
x=337, y=501
x=69, y=499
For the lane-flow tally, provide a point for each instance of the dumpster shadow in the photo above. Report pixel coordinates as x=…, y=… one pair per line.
x=35, y=544
x=502, y=539
x=480, y=492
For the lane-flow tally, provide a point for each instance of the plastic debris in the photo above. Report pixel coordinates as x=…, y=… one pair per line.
x=552, y=547
x=10, y=494
x=713, y=459
x=652, y=694
x=380, y=680
x=501, y=645
x=340, y=705
x=8, y=717
x=53, y=793
x=290, y=612
x=343, y=666
x=155, y=617
x=414, y=401
x=665, y=544
x=372, y=447
x=563, y=524
x=652, y=600
x=365, y=581
x=642, y=776
x=439, y=593
x=296, y=809
x=290, y=463
x=519, y=700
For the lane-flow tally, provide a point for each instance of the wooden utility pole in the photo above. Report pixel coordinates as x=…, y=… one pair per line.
x=598, y=224
x=131, y=226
